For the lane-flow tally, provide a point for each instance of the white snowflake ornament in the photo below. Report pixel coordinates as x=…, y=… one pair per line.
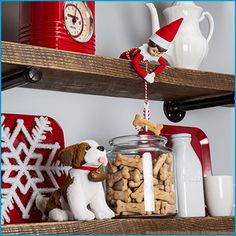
x=30, y=165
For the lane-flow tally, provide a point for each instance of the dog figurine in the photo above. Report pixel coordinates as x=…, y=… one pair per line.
x=81, y=196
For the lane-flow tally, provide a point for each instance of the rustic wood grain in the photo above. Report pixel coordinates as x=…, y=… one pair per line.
x=81, y=73
x=204, y=225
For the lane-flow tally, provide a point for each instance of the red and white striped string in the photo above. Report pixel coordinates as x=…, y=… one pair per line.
x=146, y=110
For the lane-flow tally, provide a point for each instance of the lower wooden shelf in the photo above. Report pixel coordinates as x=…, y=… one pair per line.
x=201, y=225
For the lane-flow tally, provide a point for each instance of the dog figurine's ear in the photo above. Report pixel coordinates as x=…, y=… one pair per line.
x=80, y=153
x=74, y=154
x=66, y=155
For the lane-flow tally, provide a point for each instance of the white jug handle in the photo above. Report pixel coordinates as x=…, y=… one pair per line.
x=211, y=24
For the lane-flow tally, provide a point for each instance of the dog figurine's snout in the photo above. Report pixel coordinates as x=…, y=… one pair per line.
x=101, y=148
x=102, y=160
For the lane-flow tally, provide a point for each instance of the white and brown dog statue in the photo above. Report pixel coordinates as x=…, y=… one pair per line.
x=82, y=196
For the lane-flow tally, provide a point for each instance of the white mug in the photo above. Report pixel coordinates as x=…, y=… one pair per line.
x=219, y=195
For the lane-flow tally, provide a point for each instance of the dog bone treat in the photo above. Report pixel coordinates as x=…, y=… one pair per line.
x=169, y=159
x=135, y=175
x=112, y=167
x=128, y=161
x=138, y=194
x=112, y=201
x=164, y=196
x=130, y=207
x=121, y=185
x=113, y=178
x=167, y=208
x=167, y=188
x=161, y=187
x=130, y=168
x=157, y=207
x=168, y=183
x=119, y=195
x=125, y=213
x=161, y=160
x=164, y=172
x=125, y=172
x=155, y=181
x=109, y=195
x=133, y=184
x=155, y=128
x=148, y=212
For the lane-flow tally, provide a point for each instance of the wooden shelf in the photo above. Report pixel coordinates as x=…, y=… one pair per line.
x=81, y=73
x=204, y=225
x=89, y=74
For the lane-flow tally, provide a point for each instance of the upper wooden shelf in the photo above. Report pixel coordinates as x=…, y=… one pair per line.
x=203, y=225
x=81, y=73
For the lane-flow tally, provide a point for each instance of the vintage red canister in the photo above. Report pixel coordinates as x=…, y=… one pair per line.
x=60, y=25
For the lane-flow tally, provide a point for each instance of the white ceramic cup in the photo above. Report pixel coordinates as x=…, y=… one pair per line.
x=219, y=195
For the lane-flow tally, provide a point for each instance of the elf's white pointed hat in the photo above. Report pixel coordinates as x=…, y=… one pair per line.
x=165, y=35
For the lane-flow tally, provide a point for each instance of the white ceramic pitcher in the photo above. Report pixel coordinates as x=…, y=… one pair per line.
x=189, y=47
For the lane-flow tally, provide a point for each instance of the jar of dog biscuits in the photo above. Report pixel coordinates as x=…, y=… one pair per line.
x=140, y=176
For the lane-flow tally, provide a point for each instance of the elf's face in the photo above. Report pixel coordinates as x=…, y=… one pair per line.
x=154, y=52
x=154, y=49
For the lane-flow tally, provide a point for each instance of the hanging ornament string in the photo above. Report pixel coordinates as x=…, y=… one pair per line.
x=146, y=110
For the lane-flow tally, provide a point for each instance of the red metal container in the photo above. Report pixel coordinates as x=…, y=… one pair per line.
x=43, y=24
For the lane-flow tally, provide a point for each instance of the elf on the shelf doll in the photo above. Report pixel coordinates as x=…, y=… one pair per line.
x=157, y=45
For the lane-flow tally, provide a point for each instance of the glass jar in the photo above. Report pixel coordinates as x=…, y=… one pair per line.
x=140, y=176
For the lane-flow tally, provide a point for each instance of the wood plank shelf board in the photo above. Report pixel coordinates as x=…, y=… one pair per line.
x=89, y=74
x=203, y=225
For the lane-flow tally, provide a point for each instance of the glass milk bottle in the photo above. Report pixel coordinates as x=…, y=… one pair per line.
x=188, y=177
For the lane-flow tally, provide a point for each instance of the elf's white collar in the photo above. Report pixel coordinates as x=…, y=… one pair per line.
x=146, y=56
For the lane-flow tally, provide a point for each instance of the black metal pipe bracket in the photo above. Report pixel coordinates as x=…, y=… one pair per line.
x=175, y=110
x=23, y=76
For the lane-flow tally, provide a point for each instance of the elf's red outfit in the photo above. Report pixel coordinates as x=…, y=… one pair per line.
x=141, y=54
x=163, y=38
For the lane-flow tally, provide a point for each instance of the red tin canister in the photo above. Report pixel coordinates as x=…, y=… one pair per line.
x=52, y=24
